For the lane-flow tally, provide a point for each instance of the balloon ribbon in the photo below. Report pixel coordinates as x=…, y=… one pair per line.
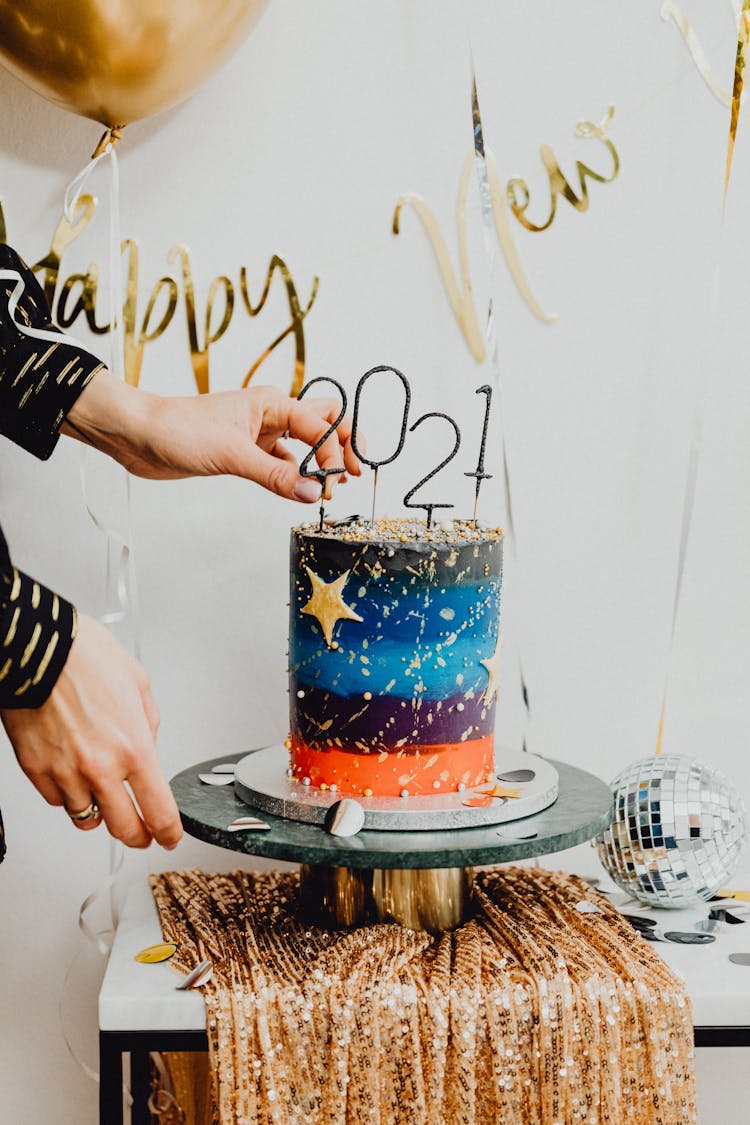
x=490, y=243
x=743, y=36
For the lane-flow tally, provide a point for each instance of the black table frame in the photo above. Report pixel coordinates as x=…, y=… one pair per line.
x=138, y=1044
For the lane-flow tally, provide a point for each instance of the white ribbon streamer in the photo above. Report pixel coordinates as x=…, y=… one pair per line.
x=121, y=575
x=19, y=287
x=491, y=248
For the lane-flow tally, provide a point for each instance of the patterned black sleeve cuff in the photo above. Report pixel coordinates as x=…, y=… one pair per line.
x=37, y=629
x=40, y=379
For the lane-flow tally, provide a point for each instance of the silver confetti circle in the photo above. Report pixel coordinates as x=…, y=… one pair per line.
x=345, y=818
x=677, y=832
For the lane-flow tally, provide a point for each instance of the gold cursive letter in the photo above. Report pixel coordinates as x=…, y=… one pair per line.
x=558, y=185
x=295, y=326
x=198, y=354
x=64, y=235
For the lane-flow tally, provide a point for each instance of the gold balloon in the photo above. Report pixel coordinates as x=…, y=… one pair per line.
x=117, y=61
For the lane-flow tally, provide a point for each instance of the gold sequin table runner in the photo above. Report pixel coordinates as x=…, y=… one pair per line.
x=532, y=1013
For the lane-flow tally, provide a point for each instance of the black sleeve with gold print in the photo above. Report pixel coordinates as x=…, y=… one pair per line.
x=37, y=628
x=40, y=380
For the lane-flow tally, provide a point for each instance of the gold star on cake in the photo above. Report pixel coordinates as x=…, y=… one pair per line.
x=492, y=664
x=327, y=603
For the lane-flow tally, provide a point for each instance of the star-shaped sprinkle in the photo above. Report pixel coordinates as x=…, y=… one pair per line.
x=499, y=791
x=492, y=664
x=327, y=604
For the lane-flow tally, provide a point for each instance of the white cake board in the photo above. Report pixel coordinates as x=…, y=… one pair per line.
x=261, y=781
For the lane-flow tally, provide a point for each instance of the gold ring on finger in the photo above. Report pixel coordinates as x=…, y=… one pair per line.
x=91, y=812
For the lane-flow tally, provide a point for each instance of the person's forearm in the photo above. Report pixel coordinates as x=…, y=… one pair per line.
x=112, y=416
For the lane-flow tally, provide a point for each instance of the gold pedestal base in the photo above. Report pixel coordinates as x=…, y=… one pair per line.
x=434, y=899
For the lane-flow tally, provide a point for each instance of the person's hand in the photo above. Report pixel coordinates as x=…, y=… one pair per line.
x=94, y=741
x=235, y=432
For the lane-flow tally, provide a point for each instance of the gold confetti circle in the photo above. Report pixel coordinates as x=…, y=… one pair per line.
x=152, y=954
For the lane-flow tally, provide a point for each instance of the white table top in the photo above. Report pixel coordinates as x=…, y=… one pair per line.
x=137, y=997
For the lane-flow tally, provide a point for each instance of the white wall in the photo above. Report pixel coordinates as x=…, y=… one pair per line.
x=302, y=146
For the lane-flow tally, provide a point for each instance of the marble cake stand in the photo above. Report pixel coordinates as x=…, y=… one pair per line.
x=421, y=879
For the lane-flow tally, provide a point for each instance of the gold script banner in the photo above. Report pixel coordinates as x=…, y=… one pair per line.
x=76, y=295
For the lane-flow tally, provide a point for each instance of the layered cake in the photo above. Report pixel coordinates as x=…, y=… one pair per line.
x=394, y=656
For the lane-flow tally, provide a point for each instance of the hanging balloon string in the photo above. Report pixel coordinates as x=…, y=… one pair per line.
x=696, y=429
x=688, y=507
x=121, y=578
x=491, y=245
x=120, y=575
x=101, y=940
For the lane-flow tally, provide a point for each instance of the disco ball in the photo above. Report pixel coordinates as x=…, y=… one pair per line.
x=677, y=832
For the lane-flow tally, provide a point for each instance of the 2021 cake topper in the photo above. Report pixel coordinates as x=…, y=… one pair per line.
x=320, y=474
x=429, y=506
x=375, y=465
x=479, y=473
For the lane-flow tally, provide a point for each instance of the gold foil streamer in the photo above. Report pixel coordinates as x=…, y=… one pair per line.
x=743, y=35
x=532, y=1011
x=517, y=196
x=673, y=11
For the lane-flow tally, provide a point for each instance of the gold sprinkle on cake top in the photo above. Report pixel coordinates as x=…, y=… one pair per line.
x=357, y=530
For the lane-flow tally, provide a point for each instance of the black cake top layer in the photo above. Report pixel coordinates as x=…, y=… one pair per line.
x=394, y=633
